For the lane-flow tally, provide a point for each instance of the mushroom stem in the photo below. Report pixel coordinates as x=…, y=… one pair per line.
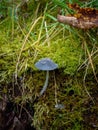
x=45, y=84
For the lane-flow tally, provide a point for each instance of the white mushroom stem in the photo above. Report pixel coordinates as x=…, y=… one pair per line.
x=46, y=84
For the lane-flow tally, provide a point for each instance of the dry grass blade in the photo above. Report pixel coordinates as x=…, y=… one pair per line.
x=23, y=45
x=91, y=62
x=85, y=85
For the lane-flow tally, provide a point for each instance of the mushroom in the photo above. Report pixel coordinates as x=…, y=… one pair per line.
x=45, y=64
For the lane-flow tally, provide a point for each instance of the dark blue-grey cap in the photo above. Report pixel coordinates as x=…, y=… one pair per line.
x=46, y=64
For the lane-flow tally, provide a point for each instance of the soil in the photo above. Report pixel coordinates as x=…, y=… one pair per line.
x=17, y=117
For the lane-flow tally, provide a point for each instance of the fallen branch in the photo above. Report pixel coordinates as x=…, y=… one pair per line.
x=75, y=22
x=85, y=18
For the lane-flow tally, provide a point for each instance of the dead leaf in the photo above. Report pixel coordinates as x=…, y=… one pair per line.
x=84, y=18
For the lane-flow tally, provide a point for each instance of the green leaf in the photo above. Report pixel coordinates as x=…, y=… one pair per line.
x=50, y=16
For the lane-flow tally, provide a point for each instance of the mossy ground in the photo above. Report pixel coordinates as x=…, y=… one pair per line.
x=24, y=41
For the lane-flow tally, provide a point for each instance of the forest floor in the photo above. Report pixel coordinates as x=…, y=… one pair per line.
x=70, y=101
x=79, y=112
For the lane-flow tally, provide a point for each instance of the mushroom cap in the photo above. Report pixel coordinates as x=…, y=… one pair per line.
x=46, y=64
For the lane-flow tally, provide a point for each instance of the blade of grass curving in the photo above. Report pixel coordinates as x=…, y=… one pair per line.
x=91, y=62
x=85, y=85
x=51, y=17
x=47, y=34
x=42, y=24
x=13, y=22
x=25, y=40
x=87, y=66
x=62, y=4
x=91, y=3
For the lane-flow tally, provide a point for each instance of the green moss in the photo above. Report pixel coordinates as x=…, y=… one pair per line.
x=65, y=53
x=48, y=117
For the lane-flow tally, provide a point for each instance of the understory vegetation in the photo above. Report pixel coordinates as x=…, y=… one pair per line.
x=29, y=31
